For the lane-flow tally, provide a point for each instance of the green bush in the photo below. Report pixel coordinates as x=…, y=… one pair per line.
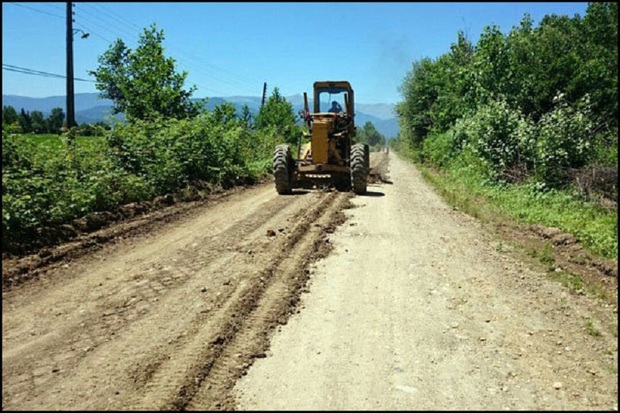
x=173, y=153
x=564, y=142
x=502, y=137
x=440, y=149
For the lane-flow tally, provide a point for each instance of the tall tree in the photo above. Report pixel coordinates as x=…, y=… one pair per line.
x=600, y=25
x=225, y=113
x=370, y=135
x=9, y=115
x=38, y=122
x=246, y=118
x=420, y=92
x=55, y=120
x=491, y=65
x=278, y=112
x=25, y=122
x=143, y=83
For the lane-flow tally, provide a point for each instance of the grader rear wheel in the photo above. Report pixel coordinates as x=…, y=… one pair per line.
x=282, y=163
x=359, y=172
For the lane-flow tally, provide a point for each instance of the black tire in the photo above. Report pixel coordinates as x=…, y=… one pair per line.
x=367, y=157
x=282, y=164
x=359, y=173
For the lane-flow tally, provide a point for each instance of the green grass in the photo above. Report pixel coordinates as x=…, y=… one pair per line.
x=544, y=254
x=591, y=329
x=573, y=282
x=593, y=226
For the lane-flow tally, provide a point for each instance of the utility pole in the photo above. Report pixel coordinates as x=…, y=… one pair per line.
x=70, y=93
x=262, y=103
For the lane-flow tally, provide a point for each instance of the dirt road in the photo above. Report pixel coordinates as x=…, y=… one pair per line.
x=262, y=301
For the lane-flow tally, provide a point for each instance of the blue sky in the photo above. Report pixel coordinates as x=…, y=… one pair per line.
x=230, y=49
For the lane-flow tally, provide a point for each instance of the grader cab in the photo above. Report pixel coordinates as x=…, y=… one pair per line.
x=330, y=157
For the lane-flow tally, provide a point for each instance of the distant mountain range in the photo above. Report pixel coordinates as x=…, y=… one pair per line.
x=89, y=108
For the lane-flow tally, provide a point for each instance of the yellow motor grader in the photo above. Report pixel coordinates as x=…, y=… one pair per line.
x=331, y=157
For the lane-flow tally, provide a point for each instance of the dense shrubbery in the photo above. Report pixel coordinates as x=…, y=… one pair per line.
x=538, y=104
x=170, y=154
x=534, y=112
x=44, y=185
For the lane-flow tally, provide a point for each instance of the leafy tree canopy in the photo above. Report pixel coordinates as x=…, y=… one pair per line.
x=278, y=112
x=143, y=83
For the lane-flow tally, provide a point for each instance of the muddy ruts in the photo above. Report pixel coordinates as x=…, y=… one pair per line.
x=224, y=344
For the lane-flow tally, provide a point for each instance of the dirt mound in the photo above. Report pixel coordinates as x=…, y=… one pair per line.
x=379, y=169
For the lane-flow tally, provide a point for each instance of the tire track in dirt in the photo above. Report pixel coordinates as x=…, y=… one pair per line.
x=174, y=386
x=288, y=277
x=146, y=326
x=151, y=278
x=107, y=313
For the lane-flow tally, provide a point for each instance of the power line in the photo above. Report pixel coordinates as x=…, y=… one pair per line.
x=197, y=67
x=31, y=73
x=90, y=21
x=195, y=62
x=37, y=10
x=82, y=25
x=91, y=31
x=224, y=76
x=135, y=38
x=221, y=77
x=112, y=14
x=27, y=71
x=53, y=5
x=98, y=17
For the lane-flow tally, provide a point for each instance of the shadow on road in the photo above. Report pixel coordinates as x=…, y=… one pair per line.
x=297, y=192
x=373, y=194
